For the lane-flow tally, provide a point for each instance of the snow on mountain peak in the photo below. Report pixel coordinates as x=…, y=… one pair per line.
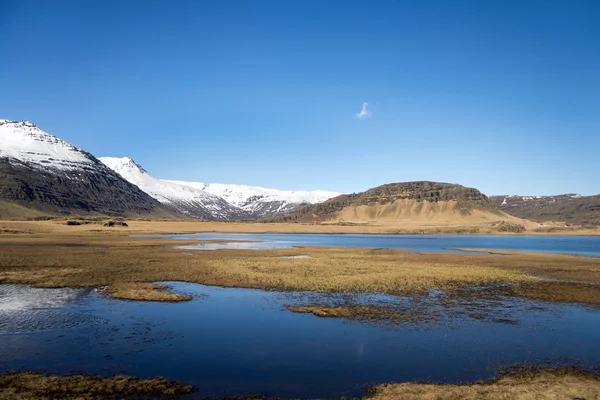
x=25, y=142
x=242, y=201
x=187, y=200
x=254, y=198
x=122, y=164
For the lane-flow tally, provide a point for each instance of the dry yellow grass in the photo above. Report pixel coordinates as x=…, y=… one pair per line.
x=194, y=226
x=540, y=384
x=416, y=316
x=36, y=386
x=73, y=256
x=545, y=384
x=144, y=292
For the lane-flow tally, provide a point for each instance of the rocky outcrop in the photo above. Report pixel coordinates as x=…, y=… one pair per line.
x=464, y=200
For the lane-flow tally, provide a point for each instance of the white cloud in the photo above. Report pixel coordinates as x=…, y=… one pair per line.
x=364, y=113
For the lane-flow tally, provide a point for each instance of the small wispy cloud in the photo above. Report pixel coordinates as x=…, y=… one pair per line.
x=364, y=113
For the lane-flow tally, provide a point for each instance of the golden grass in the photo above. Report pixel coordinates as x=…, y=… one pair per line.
x=194, y=226
x=523, y=384
x=79, y=258
x=542, y=384
x=144, y=292
x=30, y=385
x=412, y=316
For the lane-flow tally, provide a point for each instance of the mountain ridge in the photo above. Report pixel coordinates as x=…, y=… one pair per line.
x=189, y=201
x=45, y=173
x=570, y=208
x=260, y=201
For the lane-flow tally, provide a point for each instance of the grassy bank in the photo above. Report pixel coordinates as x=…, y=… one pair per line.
x=522, y=384
x=30, y=386
x=73, y=257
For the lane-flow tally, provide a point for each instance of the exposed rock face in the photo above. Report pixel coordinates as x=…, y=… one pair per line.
x=569, y=208
x=42, y=172
x=463, y=200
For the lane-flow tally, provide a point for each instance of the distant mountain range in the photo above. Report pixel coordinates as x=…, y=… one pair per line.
x=569, y=208
x=42, y=174
x=214, y=200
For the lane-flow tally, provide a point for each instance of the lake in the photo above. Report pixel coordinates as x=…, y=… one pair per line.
x=229, y=341
x=581, y=245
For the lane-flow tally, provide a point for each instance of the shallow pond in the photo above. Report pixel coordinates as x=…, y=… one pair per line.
x=583, y=245
x=242, y=341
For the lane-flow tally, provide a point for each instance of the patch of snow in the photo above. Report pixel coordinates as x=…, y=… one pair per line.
x=27, y=143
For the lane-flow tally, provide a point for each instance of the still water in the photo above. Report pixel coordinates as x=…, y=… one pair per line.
x=582, y=245
x=241, y=341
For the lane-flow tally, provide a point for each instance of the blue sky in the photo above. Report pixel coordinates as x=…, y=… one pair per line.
x=503, y=96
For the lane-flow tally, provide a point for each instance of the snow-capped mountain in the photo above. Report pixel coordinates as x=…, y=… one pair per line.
x=25, y=142
x=39, y=171
x=188, y=200
x=259, y=201
x=44, y=173
x=214, y=200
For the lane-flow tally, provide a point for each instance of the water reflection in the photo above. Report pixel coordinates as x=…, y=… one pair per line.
x=581, y=245
x=239, y=341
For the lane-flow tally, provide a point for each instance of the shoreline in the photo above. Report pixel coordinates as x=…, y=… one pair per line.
x=517, y=382
x=129, y=265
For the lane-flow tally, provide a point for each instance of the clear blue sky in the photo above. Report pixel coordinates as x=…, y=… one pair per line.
x=503, y=96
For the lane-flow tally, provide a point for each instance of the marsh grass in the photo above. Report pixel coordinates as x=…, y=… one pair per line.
x=31, y=385
x=128, y=264
x=522, y=383
x=381, y=315
x=144, y=292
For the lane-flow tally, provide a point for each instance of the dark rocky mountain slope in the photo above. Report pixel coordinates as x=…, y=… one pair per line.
x=569, y=208
x=41, y=172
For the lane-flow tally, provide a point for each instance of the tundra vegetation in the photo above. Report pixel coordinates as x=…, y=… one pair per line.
x=27, y=385
x=52, y=253
x=548, y=383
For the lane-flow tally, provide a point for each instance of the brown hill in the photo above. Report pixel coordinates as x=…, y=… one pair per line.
x=416, y=203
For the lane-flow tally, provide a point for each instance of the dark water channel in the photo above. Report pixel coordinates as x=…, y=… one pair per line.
x=240, y=341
